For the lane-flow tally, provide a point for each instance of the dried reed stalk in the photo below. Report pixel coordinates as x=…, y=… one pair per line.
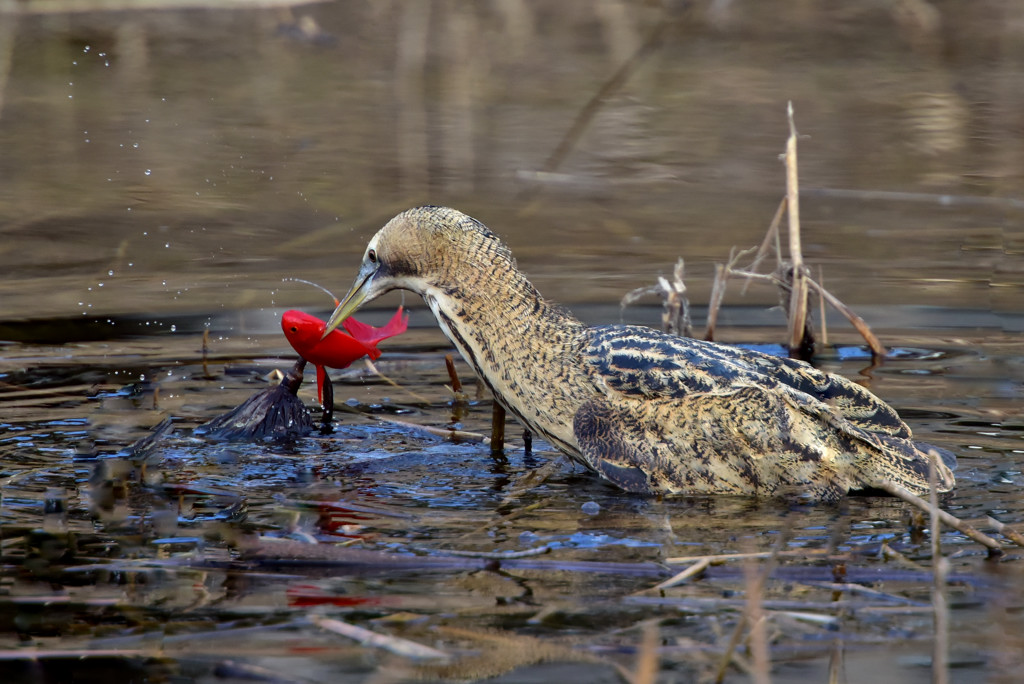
x=798, y=333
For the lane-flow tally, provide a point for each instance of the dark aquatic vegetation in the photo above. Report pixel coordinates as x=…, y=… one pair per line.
x=274, y=413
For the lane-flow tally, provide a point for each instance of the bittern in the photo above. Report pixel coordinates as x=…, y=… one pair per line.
x=651, y=412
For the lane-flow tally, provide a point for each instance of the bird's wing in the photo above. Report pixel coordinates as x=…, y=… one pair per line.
x=747, y=440
x=676, y=415
x=637, y=362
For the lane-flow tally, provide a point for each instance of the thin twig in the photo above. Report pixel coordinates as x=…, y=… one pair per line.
x=994, y=547
x=393, y=644
x=695, y=569
x=771, y=237
x=877, y=348
x=452, y=435
x=1007, y=531
x=721, y=558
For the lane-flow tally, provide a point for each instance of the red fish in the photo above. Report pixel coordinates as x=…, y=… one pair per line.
x=338, y=349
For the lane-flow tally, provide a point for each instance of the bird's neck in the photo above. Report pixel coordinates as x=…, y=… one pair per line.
x=522, y=346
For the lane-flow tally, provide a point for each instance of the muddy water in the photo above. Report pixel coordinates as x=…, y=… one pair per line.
x=163, y=171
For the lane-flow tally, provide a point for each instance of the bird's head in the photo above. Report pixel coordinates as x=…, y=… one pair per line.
x=419, y=249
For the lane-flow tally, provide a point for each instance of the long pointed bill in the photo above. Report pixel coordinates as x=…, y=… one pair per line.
x=352, y=301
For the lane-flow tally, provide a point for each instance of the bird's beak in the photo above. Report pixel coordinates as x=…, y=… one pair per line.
x=354, y=299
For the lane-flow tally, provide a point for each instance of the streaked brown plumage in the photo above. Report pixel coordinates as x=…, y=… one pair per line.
x=651, y=412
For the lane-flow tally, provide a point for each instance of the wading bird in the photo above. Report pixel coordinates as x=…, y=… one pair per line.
x=651, y=412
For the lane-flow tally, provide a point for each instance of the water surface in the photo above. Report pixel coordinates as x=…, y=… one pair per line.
x=163, y=171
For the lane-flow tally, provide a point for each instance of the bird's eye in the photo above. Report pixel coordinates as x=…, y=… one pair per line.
x=372, y=256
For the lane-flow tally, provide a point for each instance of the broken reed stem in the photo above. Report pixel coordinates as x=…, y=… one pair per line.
x=994, y=547
x=940, y=610
x=798, y=295
x=460, y=396
x=206, y=353
x=877, y=348
x=497, y=428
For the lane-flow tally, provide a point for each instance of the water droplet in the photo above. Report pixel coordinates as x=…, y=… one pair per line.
x=148, y=172
x=87, y=48
x=99, y=284
x=135, y=145
x=174, y=328
x=110, y=273
x=167, y=244
x=591, y=508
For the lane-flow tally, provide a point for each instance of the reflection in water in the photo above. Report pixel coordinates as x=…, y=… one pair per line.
x=164, y=170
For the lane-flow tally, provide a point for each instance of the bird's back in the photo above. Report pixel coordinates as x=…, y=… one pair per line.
x=698, y=416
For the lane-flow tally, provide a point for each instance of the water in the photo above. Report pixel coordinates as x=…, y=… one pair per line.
x=164, y=171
